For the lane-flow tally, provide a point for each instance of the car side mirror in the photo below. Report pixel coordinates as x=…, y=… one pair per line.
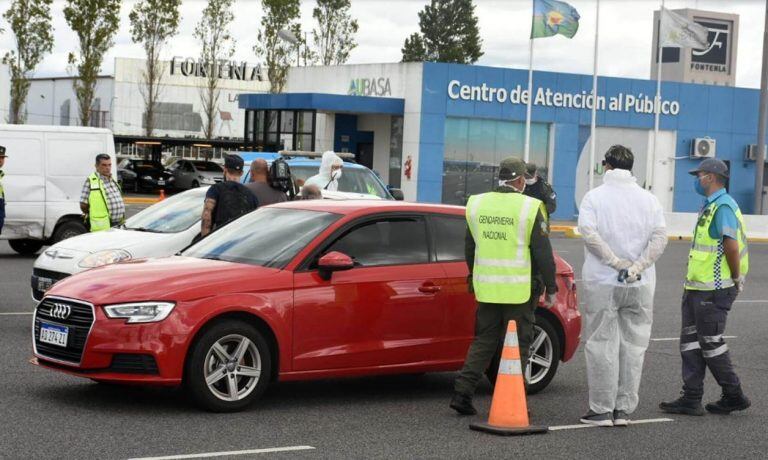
x=396, y=193
x=334, y=262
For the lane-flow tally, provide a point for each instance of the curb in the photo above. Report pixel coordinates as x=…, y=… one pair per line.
x=573, y=232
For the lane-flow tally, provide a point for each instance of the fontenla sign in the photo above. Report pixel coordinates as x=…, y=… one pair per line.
x=545, y=97
x=228, y=70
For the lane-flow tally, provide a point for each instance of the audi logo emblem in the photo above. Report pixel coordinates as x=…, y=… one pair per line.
x=60, y=310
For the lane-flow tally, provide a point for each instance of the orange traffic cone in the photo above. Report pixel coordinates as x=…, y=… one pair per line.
x=509, y=410
x=162, y=194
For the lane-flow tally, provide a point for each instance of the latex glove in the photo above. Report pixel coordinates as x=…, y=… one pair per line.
x=550, y=300
x=620, y=264
x=633, y=274
x=739, y=283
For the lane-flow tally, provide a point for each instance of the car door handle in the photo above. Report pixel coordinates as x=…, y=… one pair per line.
x=429, y=288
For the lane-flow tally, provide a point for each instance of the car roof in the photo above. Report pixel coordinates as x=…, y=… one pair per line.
x=362, y=207
x=248, y=158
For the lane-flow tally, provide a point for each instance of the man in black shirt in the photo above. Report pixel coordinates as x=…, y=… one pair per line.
x=260, y=186
x=228, y=200
x=537, y=187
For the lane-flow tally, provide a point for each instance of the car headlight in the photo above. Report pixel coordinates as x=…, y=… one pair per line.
x=140, y=312
x=147, y=177
x=97, y=259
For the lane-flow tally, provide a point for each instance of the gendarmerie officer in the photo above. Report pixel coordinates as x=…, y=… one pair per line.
x=506, y=241
x=537, y=187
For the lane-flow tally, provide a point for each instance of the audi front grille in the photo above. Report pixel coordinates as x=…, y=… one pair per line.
x=76, y=316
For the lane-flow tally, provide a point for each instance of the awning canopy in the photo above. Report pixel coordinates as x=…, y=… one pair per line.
x=322, y=102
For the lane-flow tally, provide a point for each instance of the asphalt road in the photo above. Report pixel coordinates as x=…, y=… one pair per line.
x=49, y=415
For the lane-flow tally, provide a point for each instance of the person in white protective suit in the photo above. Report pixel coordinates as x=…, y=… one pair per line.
x=330, y=173
x=624, y=234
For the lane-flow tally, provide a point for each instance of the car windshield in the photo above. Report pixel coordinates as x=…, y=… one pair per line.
x=268, y=237
x=355, y=180
x=146, y=165
x=208, y=166
x=172, y=215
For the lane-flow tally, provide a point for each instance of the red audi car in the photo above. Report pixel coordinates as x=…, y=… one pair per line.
x=296, y=291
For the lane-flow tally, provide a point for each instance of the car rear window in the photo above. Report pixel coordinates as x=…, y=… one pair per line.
x=392, y=241
x=207, y=166
x=449, y=234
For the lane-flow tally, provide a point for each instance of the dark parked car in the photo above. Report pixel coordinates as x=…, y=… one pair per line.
x=144, y=175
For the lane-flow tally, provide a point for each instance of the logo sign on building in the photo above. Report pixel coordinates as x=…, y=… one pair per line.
x=370, y=87
x=715, y=57
x=228, y=70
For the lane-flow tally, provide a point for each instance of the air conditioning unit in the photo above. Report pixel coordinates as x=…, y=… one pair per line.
x=703, y=147
x=750, y=153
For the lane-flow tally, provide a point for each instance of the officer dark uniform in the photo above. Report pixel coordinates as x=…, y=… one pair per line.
x=537, y=187
x=3, y=156
x=500, y=272
x=717, y=265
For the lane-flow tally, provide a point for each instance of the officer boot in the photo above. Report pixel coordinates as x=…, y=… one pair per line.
x=683, y=405
x=462, y=404
x=729, y=403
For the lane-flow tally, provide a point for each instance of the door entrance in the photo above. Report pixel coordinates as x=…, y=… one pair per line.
x=364, y=154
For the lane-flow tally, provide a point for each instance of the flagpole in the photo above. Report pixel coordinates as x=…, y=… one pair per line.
x=527, y=151
x=592, y=140
x=656, y=104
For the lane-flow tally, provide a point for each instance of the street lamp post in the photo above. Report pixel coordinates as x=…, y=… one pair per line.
x=290, y=37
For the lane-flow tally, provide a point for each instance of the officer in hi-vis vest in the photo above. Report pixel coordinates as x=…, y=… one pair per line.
x=2, y=191
x=717, y=265
x=101, y=200
x=507, y=241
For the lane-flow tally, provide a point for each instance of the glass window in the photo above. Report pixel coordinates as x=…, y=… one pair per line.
x=271, y=121
x=259, y=120
x=208, y=166
x=172, y=215
x=398, y=241
x=286, y=121
x=249, y=125
x=449, y=234
x=356, y=180
x=304, y=142
x=304, y=122
x=252, y=239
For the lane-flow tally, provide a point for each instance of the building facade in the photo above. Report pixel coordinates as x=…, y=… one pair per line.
x=438, y=131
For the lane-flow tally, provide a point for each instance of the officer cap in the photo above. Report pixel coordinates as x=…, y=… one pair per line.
x=531, y=169
x=233, y=162
x=2, y=151
x=511, y=168
x=711, y=165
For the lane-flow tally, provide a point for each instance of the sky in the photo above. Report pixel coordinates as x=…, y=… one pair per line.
x=624, y=46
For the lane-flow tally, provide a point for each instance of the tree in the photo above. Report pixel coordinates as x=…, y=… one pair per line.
x=276, y=52
x=153, y=22
x=30, y=22
x=216, y=45
x=334, y=36
x=413, y=49
x=95, y=23
x=449, y=33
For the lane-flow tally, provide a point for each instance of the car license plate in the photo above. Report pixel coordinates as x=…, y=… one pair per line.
x=43, y=284
x=161, y=182
x=53, y=334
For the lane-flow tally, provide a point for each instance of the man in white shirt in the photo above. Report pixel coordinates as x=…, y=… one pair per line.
x=624, y=234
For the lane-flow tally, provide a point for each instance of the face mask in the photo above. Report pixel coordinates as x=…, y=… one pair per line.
x=530, y=181
x=336, y=175
x=698, y=187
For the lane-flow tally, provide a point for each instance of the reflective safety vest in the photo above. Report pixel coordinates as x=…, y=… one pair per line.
x=98, y=211
x=708, y=268
x=501, y=225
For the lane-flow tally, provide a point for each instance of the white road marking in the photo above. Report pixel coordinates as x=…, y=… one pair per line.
x=229, y=454
x=750, y=301
x=631, y=422
x=673, y=339
x=17, y=313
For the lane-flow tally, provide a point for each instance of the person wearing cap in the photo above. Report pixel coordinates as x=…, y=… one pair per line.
x=537, y=187
x=227, y=200
x=3, y=156
x=624, y=233
x=717, y=264
x=507, y=240
x=101, y=199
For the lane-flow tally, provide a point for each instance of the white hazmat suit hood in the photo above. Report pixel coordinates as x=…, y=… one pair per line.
x=623, y=229
x=326, y=179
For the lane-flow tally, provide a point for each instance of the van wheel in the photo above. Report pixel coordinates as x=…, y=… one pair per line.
x=68, y=229
x=544, y=360
x=26, y=247
x=229, y=367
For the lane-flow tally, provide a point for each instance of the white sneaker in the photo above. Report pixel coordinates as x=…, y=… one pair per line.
x=593, y=418
x=620, y=418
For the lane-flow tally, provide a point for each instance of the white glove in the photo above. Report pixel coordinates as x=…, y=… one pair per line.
x=633, y=274
x=550, y=300
x=620, y=264
x=739, y=283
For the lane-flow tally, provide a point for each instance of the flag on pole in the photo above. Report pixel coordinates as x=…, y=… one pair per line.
x=680, y=32
x=552, y=17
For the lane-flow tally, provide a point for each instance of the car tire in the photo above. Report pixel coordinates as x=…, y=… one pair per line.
x=195, y=184
x=213, y=355
x=68, y=229
x=544, y=360
x=26, y=247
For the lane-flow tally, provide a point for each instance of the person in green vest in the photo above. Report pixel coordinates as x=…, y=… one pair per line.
x=101, y=199
x=717, y=264
x=507, y=240
x=3, y=156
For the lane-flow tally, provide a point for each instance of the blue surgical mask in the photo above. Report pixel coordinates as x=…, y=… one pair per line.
x=697, y=186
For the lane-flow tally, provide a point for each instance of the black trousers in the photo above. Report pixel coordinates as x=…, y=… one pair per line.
x=701, y=341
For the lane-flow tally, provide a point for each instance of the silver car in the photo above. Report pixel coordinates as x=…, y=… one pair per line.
x=195, y=173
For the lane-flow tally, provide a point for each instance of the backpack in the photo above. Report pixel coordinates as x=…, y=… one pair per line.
x=234, y=201
x=280, y=177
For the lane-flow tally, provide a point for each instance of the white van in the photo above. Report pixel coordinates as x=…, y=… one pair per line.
x=44, y=175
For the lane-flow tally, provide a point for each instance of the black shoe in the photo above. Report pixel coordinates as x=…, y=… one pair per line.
x=729, y=403
x=683, y=405
x=463, y=404
x=593, y=418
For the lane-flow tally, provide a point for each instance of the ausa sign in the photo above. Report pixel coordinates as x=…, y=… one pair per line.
x=230, y=70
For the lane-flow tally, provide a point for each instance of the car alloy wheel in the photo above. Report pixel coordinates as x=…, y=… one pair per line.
x=232, y=368
x=541, y=356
